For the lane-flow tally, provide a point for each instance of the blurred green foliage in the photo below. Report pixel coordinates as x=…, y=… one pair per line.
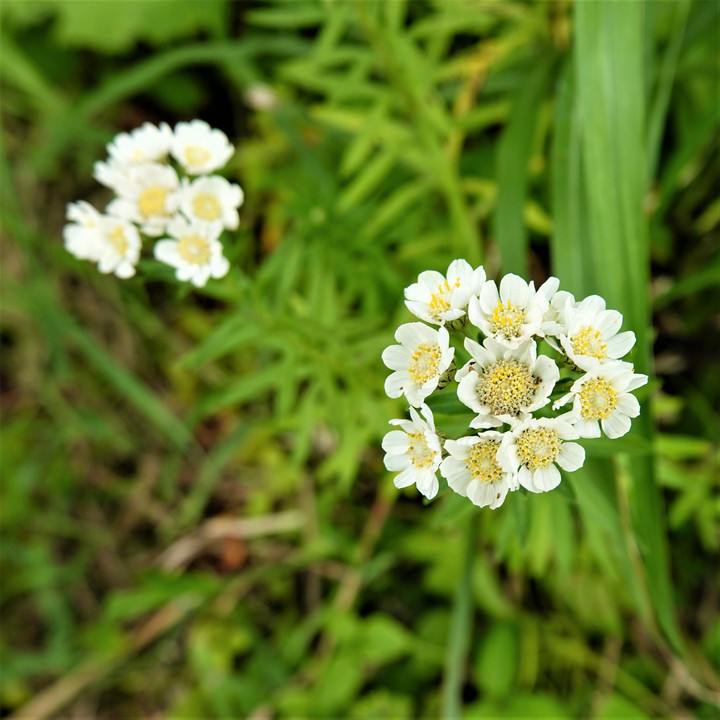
x=196, y=519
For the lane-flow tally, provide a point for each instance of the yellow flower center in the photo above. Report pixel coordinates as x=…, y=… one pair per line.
x=440, y=299
x=588, y=341
x=482, y=461
x=538, y=447
x=419, y=452
x=194, y=249
x=597, y=399
x=196, y=155
x=206, y=206
x=424, y=363
x=152, y=201
x=506, y=387
x=507, y=320
x=118, y=240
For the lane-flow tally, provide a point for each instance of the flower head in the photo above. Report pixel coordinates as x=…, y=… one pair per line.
x=472, y=469
x=194, y=251
x=119, y=249
x=414, y=450
x=199, y=148
x=532, y=449
x=83, y=234
x=212, y=199
x=512, y=314
x=437, y=298
x=147, y=195
x=592, y=336
x=601, y=398
x=419, y=361
x=503, y=385
x=148, y=143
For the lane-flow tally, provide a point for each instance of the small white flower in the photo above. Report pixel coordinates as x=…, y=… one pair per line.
x=199, y=148
x=423, y=355
x=515, y=313
x=148, y=143
x=503, y=385
x=532, y=447
x=592, y=334
x=212, y=199
x=472, y=469
x=119, y=248
x=414, y=450
x=436, y=298
x=147, y=194
x=83, y=234
x=601, y=398
x=194, y=251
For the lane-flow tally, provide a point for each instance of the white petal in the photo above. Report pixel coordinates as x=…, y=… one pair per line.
x=571, y=456
x=628, y=405
x=616, y=425
x=405, y=478
x=396, y=357
x=514, y=289
x=547, y=479
x=620, y=344
x=394, y=384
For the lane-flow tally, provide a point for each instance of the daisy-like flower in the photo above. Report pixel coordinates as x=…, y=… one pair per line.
x=437, y=298
x=419, y=362
x=503, y=385
x=592, y=334
x=601, y=398
x=212, y=199
x=83, y=235
x=194, y=251
x=147, y=194
x=513, y=314
x=472, y=469
x=199, y=148
x=414, y=450
x=533, y=447
x=148, y=143
x=119, y=249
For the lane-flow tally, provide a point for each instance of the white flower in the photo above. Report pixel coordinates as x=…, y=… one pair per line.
x=503, y=385
x=147, y=194
x=416, y=451
x=212, y=199
x=472, y=469
x=194, y=250
x=601, y=398
x=436, y=298
x=147, y=143
x=119, y=247
x=592, y=334
x=515, y=313
x=83, y=235
x=199, y=148
x=532, y=447
x=423, y=355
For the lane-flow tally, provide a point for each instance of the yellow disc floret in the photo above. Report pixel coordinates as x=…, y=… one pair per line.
x=440, y=299
x=538, y=447
x=482, y=461
x=206, y=206
x=418, y=451
x=194, y=249
x=196, y=155
x=424, y=362
x=597, y=399
x=152, y=201
x=118, y=240
x=589, y=341
x=507, y=387
x=507, y=320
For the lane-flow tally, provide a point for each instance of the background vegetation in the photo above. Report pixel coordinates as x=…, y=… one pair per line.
x=196, y=519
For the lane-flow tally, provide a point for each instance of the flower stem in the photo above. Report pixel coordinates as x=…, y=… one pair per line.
x=460, y=630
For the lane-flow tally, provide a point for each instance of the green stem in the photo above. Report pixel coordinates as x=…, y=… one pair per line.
x=460, y=630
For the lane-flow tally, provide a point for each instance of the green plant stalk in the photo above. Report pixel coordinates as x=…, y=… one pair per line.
x=460, y=630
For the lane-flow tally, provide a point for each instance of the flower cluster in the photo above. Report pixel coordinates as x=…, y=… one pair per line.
x=178, y=202
x=509, y=387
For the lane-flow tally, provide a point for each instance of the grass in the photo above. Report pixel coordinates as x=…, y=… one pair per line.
x=196, y=521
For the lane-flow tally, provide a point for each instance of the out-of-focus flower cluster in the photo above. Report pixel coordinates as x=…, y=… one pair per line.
x=517, y=437
x=164, y=189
